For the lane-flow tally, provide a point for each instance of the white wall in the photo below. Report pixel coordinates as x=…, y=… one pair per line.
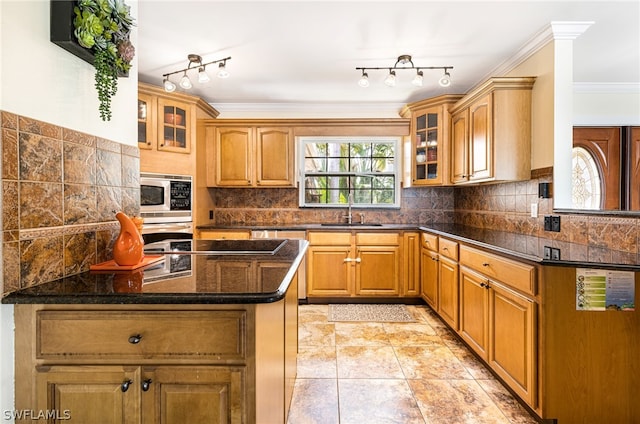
x=42, y=81
x=45, y=82
x=596, y=105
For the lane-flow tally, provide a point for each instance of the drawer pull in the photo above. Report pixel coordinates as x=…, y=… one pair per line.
x=135, y=339
x=146, y=384
x=486, y=264
x=125, y=385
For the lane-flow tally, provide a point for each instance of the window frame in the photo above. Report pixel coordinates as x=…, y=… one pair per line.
x=396, y=141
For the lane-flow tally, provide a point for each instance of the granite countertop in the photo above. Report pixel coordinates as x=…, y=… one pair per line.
x=520, y=246
x=235, y=275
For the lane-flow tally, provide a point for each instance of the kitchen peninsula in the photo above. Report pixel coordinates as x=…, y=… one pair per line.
x=217, y=343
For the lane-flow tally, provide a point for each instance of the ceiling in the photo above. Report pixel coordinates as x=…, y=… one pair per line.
x=302, y=55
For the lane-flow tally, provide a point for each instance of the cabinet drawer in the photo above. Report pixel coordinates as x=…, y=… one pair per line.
x=448, y=248
x=225, y=235
x=330, y=239
x=378, y=239
x=430, y=241
x=515, y=274
x=212, y=336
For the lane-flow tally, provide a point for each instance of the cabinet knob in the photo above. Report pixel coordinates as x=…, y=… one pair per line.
x=146, y=384
x=135, y=339
x=125, y=385
x=434, y=259
x=358, y=260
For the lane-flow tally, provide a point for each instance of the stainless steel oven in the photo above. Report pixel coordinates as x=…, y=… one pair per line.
x=166, y=198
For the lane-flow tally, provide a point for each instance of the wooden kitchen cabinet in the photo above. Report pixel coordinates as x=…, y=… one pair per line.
x=429, y=269
x=491, y=132
x=346, y=264
x=251, y=156
x=498, y=317
x=167, y=129
x=158, y=363
x=411, y=261
x=430, y=128
x=328, y=272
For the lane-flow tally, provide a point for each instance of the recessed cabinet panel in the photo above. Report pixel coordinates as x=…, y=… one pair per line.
x=274, y=157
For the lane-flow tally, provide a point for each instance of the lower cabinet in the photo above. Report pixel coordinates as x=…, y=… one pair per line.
x=342, y=264
x=158, y=363
x=166, y=394
x=490, y=302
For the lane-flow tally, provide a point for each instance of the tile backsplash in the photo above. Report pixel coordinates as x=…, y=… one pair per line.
x=60, y=191
x=507, y=207
x=279, y=206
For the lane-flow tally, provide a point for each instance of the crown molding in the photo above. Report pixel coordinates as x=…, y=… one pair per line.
x=556, y=30
x=308, y=110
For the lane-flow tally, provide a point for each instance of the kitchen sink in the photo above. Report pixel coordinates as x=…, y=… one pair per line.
x=345, y=224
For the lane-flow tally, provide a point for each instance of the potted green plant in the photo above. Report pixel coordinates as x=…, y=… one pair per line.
x=103, y=27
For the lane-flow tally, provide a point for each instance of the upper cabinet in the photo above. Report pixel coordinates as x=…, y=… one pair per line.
x=250, y=156
x=491, y=132
x=430, y=135
x=167, y=125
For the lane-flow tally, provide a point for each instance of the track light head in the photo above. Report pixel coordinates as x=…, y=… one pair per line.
x=390, y=80
x=445, y=80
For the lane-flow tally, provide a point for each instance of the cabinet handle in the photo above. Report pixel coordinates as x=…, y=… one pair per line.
x=434, y=259
x=125, y=385
x=486, y=264
x=146, y=384
x=135, y=339
x=348, y=260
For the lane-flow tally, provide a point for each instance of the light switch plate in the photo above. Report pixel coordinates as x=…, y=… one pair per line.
x=534, y=210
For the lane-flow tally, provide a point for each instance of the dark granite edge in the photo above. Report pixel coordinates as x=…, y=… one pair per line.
x=20, y=297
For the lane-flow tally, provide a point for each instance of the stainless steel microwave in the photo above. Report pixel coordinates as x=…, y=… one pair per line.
x=166, y=198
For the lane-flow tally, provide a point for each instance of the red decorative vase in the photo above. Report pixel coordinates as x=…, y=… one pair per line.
x=129, y=246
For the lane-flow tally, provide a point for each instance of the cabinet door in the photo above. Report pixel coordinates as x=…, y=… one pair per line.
x=146, y=121
x=411, y=262
x=194, y=395
x=377, y=270
x=233, y=160
x=459, y=146
x=429, y=281
x=428, y=147
x=512, y=353
x=328, y=274
x=274, y=149
x=174, y=126
x=480, y=139
x=88, y=394
x=448, y=291
x=474, y=311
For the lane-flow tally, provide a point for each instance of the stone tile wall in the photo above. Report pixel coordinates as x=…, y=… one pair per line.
x=60, y=191
x=279, y=206
x=507, y=207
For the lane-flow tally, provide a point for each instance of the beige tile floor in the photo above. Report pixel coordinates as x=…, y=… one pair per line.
x=375, y=373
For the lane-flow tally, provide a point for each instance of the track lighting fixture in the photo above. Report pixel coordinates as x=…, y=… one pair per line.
x=404, y=62
x=195, y=62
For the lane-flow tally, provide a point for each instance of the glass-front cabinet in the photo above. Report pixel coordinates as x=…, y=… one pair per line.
x=174, y=126
x=146, y=121
x=429, y=155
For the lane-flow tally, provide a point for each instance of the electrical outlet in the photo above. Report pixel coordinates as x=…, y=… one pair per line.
x=210, y=214
x=547, y=252
x=534, y=210
x=552, y=223
x=547, y=223
x=555, y=254
x=555, y=223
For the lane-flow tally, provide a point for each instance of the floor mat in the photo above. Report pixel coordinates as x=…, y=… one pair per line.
x=369, y=312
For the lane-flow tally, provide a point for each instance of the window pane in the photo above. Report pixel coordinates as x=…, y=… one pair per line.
x=315, y=165
x=383, y=196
